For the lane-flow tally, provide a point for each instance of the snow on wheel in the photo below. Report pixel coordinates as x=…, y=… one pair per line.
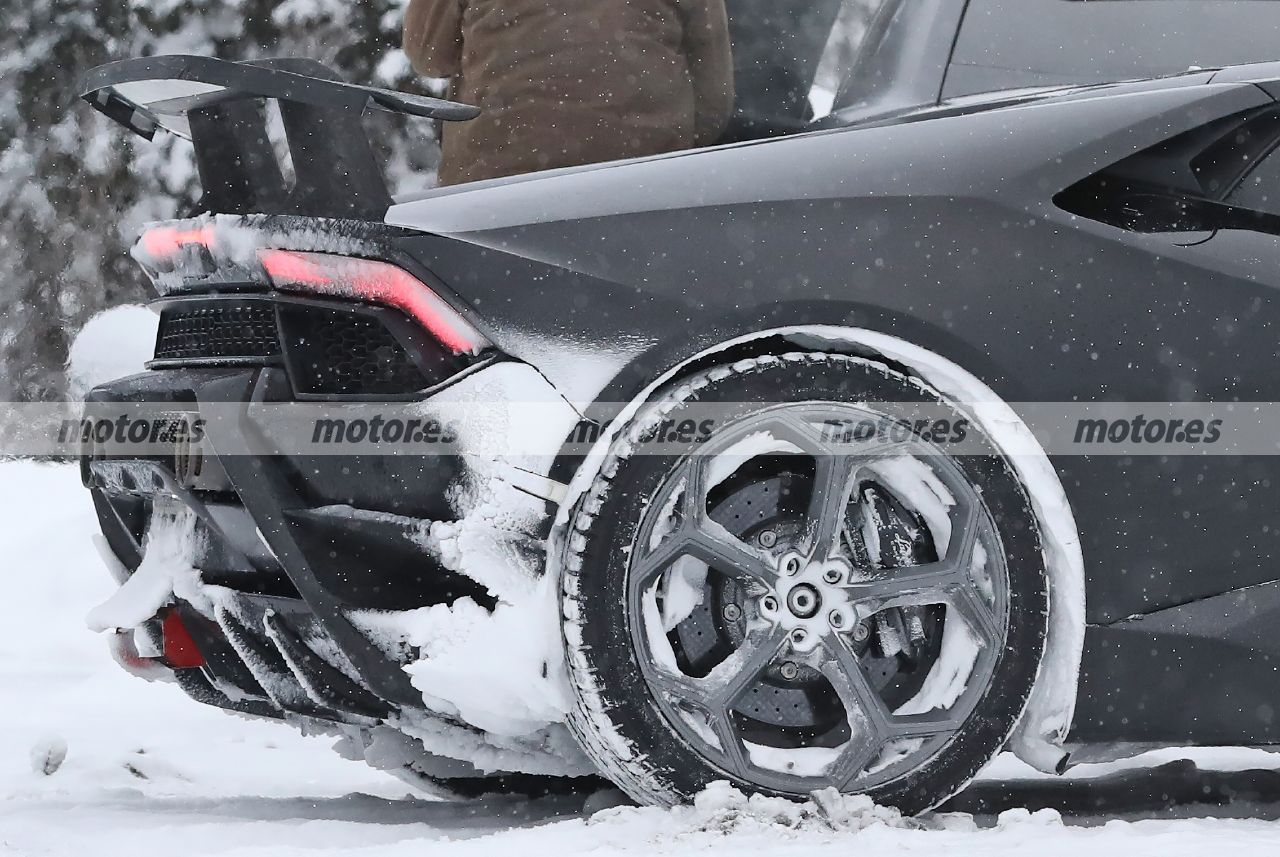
x=783, y=610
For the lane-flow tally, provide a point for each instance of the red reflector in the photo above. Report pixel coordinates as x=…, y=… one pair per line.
x=375, y=282
x=180, y=650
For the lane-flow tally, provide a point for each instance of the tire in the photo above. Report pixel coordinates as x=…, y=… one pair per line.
x=629, y=714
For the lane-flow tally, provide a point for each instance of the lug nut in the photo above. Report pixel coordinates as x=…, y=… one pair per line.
x=769, y=604
x=790, y=670
x=861, y=632
x=799, y=635
x=731, y=612
x=832, y=575
x=767, y=539
x=836, y=619
x=792, y=565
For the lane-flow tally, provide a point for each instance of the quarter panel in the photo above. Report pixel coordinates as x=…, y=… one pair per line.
x=938, y=232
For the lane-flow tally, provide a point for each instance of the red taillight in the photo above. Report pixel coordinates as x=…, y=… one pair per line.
x=180, y=650
x=164, y=242
x=375, y=282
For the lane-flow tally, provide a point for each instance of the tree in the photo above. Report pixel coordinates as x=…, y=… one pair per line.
x=75, y=190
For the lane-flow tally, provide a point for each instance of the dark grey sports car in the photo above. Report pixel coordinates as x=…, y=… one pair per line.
x=762, y=596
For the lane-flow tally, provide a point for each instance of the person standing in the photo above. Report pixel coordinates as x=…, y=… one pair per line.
x=570, y=82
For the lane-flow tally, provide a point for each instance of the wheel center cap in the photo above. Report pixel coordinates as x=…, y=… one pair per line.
x=804, y=601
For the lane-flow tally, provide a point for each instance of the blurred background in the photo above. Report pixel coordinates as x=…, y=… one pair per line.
x=75, y=189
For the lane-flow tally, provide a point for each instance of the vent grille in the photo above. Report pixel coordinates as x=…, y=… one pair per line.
x=218, y=332
x=348, y=354
x=328, y=350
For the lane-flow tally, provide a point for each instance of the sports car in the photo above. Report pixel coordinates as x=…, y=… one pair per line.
x=726, y=464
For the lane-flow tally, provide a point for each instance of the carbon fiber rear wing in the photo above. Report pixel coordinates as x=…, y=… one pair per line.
x=219, y=106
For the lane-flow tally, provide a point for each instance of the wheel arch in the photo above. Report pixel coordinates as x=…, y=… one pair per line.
x=755, y=334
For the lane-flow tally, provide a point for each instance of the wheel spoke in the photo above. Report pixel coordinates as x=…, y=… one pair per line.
x=735, y=752
x=939, y=721
x=700, y=537
x=982, y=621
x=910, y=586
x=965, y=530
x=833, y=481
x=813, y=441
x=656, y=561
x=871, y=723
x=837, y=467
x=720, y=549
x=717, y=693
x=732, y=676
x=864, y=709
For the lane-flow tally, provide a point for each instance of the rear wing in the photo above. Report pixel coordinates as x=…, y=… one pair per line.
x=220, y=106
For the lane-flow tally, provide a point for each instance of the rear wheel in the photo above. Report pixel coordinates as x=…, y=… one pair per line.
x=789, y=611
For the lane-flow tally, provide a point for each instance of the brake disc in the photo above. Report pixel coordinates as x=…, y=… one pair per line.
x=792, y=702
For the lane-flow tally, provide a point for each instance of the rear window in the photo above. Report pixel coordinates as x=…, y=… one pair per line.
x=1007, y=44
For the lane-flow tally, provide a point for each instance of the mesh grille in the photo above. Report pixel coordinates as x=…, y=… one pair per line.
x=330, y=351
x=214, y=332
x=343, y=353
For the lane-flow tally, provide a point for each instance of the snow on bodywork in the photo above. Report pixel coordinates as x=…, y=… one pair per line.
x=490, y=677
x=499, y=671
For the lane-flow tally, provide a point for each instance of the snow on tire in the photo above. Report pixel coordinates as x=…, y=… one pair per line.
x=808, y=614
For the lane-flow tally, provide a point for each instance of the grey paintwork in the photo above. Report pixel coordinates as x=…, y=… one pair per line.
x=939, y=229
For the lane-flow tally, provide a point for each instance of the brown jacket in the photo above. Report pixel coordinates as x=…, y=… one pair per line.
x=568, y=82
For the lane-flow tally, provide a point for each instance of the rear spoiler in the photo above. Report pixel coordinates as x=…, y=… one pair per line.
x=219, y=106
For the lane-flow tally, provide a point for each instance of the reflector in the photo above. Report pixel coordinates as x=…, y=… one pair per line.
x=180, y=650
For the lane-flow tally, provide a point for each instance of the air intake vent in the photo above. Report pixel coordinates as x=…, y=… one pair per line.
x=329, y=349
x=333, y=352
x=218, y=332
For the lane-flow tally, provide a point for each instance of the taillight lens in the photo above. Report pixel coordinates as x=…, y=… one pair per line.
x=165, y=242
x=376, y=283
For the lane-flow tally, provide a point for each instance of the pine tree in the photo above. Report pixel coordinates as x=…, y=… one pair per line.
x=75, y=190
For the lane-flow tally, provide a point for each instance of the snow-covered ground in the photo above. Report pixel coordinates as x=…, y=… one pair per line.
x=147, y=771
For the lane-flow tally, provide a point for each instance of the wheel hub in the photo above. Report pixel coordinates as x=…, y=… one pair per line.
x=803, y=601
x=807, y=599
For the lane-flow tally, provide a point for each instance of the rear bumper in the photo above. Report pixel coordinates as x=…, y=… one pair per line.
x=290, y=547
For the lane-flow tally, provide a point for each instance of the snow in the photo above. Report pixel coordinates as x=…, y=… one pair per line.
x=754, y=445
x=234, y=240
x=146, y=770
x=168, y=552
x=801, y=761
x=686, y=587
x=489, y=669
x=913, y=482
x=655, y=632
x=113, y=344
x=949, y=676
x=501, y=671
